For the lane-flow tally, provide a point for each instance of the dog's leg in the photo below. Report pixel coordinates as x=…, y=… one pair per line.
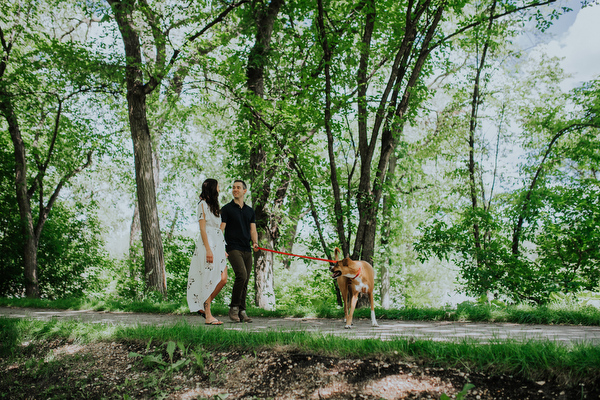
x=373, y=320
x=351, y=313
x=343, y=285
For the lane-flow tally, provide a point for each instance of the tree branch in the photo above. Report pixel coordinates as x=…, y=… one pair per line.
x=497, y=16
x=156, y=79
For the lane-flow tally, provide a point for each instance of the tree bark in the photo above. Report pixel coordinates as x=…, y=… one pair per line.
x=333, y=173
x=258, y=60
x=30, y=245
x=154, y=263
x=475, y=101
x=385, y=235
x=366, y=149
x=370, y=192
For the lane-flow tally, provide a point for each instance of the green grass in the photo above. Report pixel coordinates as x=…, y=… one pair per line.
x=537, y=360
x=520, y=314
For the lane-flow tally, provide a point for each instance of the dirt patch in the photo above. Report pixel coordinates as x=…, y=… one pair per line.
x=120, y=370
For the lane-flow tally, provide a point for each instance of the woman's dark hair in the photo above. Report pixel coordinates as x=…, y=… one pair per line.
x=211, y=196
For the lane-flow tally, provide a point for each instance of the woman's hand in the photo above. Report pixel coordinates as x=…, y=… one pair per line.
x=209, y=256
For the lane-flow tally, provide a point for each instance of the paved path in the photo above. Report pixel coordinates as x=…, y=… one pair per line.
x=388, y=329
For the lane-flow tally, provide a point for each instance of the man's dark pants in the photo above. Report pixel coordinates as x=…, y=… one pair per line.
x=241, y=262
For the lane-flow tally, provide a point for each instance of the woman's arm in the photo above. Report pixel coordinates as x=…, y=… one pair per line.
x=202, y=222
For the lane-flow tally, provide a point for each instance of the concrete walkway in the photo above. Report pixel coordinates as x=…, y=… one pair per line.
x=362, y=329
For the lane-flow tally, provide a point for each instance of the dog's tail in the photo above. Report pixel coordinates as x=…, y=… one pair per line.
x=336, y=254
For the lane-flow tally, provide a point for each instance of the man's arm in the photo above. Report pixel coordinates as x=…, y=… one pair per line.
x=254, y=236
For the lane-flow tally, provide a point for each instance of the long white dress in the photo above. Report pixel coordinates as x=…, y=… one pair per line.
x=203, y=277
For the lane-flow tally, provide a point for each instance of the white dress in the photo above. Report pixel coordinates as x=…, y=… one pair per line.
x=203, y=277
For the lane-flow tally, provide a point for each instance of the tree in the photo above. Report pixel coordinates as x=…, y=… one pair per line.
x=537, y=240
x=264, y=15
x=45, y=82
x=155, y=23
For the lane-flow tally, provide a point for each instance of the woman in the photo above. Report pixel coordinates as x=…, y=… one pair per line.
x=208, y=269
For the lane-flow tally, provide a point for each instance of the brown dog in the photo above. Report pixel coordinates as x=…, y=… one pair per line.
x=356, y=276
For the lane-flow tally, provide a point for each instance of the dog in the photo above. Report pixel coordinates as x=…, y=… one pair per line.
x=357, y=277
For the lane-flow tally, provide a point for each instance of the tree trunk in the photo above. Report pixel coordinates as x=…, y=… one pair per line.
x=333, y=173
x=134, y=236
x=263, y=275
x=30, y=246
x=366, y=149
x=258, y=59
x=368, y=196
x=263, y=283
x=142, y=147
x=475, y=101
x=146, y=194
x=135, y=227
x=385, y=236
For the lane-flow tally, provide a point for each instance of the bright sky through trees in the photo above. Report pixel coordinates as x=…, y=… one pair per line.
x=576, y=40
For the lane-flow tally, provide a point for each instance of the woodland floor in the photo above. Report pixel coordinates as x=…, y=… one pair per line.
x=106, y=370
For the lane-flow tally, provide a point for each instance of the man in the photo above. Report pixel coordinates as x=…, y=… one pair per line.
x=239, y=224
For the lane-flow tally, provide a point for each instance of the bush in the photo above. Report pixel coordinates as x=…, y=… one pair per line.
x=129, y=275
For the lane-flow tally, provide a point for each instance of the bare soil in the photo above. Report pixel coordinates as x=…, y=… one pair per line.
x=110, y=370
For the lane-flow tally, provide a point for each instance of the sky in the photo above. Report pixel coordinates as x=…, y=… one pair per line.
x=576, y=40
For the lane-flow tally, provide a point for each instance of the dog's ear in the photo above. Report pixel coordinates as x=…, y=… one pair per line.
x=345, y=262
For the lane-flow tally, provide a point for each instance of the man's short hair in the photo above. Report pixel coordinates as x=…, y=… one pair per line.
x=242, y=182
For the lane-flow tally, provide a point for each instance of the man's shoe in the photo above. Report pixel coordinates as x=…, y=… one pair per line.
x=244, y=317
x=233, y=314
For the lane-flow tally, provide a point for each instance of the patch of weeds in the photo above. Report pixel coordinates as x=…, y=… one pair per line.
x=180, y=357
x=9, y=336
x=460, y=395
x=200, y=355
x=155, y=360
x=217, y=376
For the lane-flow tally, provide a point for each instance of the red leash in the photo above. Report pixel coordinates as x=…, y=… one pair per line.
x=296, y=255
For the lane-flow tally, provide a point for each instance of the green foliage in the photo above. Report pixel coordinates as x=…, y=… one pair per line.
x=11, y=266
x=155, y=360
x=178, y=255
x=308, y=291
x=569, y=240
x=566, y=256
x=71, y=253
x=128, y=275
x=9, y=336
x=538, y=240
x=46, y=75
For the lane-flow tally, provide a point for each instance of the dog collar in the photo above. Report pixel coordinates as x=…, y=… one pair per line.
x=359, y=271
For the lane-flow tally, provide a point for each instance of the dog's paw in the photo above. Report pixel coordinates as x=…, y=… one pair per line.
x=374, y=324
x=348, y=327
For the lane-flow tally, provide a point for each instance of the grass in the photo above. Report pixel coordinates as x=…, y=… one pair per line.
x=536, y=360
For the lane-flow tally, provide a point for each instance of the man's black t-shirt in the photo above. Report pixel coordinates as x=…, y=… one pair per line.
x=237, y=228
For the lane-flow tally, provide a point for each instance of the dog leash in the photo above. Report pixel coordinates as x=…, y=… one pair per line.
x=296, y=255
